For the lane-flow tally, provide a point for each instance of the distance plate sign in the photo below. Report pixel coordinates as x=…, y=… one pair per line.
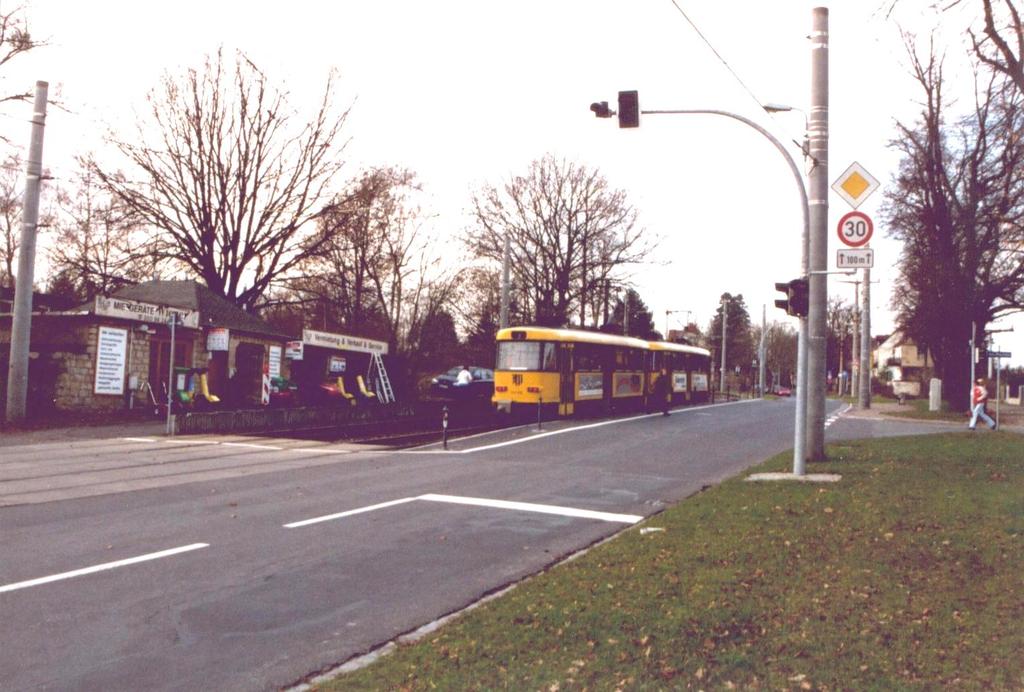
x=855, y=229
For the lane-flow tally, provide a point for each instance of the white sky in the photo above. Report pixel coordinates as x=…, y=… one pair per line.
x=469, y=91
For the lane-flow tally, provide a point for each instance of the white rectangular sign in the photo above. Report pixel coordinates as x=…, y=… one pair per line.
x=274, y=361
x=144, y=312
x=860, y=258
x=218, y=339
x=343, y=342
x=111, y=352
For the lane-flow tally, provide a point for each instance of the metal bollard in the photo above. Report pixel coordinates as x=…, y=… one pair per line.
x=540, y=403
x=444, y=427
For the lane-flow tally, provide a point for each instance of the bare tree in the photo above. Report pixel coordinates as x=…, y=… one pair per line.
x=569, y=232
x=10, y=217
x=1002, y=47
x=958, y=207
x=227, y=179
x=377, y=270
x=99, y=244
x=15, y=40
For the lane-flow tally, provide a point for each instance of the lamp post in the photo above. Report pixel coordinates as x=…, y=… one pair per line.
x=800, y=432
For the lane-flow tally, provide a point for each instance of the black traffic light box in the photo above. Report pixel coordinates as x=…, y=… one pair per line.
x=629, y=109
x=797, y=300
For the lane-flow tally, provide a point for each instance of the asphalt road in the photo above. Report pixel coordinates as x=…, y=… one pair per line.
x=222, y=563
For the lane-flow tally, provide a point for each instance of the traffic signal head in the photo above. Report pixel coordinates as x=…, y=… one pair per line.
x=797, y=299
x=629, y=109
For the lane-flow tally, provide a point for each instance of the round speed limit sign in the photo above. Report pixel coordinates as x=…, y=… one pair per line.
x=855, y=229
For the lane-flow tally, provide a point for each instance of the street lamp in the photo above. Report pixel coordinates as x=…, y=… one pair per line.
x=601, y=110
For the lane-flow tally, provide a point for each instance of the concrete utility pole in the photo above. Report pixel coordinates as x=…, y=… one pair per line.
x=817, y=179
x=505, y=282
x=864, y=394
x=725, y=318
x=21, y=324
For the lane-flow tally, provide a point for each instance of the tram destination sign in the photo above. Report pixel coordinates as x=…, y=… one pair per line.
x=859, y=258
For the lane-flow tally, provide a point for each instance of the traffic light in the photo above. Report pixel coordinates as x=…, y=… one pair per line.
x=629, y=109
x=797, y=301
x=799, y=298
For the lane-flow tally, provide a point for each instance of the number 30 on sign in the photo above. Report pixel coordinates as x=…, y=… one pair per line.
x=855, y=229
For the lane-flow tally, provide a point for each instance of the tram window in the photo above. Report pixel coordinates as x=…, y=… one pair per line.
x=518, y=355
x=586, y=357
x=549, y=360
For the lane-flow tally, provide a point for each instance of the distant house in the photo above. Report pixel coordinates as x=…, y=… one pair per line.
x=905, y=366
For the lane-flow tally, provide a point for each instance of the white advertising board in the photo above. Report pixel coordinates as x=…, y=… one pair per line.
x=217, y=339
x=111, y=354
x=144, y=312
x=274, y=361
x=343, y=342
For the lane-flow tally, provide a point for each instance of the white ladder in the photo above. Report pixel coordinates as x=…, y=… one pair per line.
x=385, y=394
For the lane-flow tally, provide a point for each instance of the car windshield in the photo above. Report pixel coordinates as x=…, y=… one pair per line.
x=454, y=372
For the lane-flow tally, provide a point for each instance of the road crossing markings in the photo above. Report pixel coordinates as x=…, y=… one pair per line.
x=102, y=567
x=837, y=415
x=249, y=445
x=479, y=502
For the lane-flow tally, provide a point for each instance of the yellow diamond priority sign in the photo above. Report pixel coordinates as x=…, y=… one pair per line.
x=855, y=185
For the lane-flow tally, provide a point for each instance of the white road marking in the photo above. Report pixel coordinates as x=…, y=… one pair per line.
x=320, y=450
x=140, y=439
x=192, y=442
x=100, y=568
x=614, y=421
x=479, y=502
x=531, y=507
x=249, y=445
x=351, y=512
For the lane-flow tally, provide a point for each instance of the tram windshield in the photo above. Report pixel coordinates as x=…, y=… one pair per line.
x=526, y=355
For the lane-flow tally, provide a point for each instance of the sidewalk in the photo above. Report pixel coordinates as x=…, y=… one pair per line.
x=1010, y=417
x=82, y=431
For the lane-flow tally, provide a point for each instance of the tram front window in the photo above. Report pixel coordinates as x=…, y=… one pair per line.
x=526, y=355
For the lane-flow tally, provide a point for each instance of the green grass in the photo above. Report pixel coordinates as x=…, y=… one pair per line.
x=908, y=574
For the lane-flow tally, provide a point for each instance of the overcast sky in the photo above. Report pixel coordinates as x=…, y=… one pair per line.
x=464, y=92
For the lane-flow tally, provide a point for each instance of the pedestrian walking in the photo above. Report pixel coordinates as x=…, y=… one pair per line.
x=979, y=396
x=662, y=391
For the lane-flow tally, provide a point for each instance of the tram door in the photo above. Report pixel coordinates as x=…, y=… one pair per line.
x=566, y=381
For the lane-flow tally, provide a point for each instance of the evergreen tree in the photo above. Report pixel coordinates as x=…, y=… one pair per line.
x=641, y=321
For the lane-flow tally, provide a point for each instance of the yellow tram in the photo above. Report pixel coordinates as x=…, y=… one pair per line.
x=571, y=371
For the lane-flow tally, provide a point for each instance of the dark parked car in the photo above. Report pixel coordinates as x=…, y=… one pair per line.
x=481, y=387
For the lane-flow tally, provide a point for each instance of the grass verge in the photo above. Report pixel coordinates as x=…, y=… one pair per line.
x=906, y=574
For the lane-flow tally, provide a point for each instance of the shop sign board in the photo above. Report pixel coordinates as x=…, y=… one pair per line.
x=343, y=342
x=274, y=360
x=217, y=339
x=336, y=365
x=700, y=382
x=145, y=312
x=293, y=350
x=111, y=355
